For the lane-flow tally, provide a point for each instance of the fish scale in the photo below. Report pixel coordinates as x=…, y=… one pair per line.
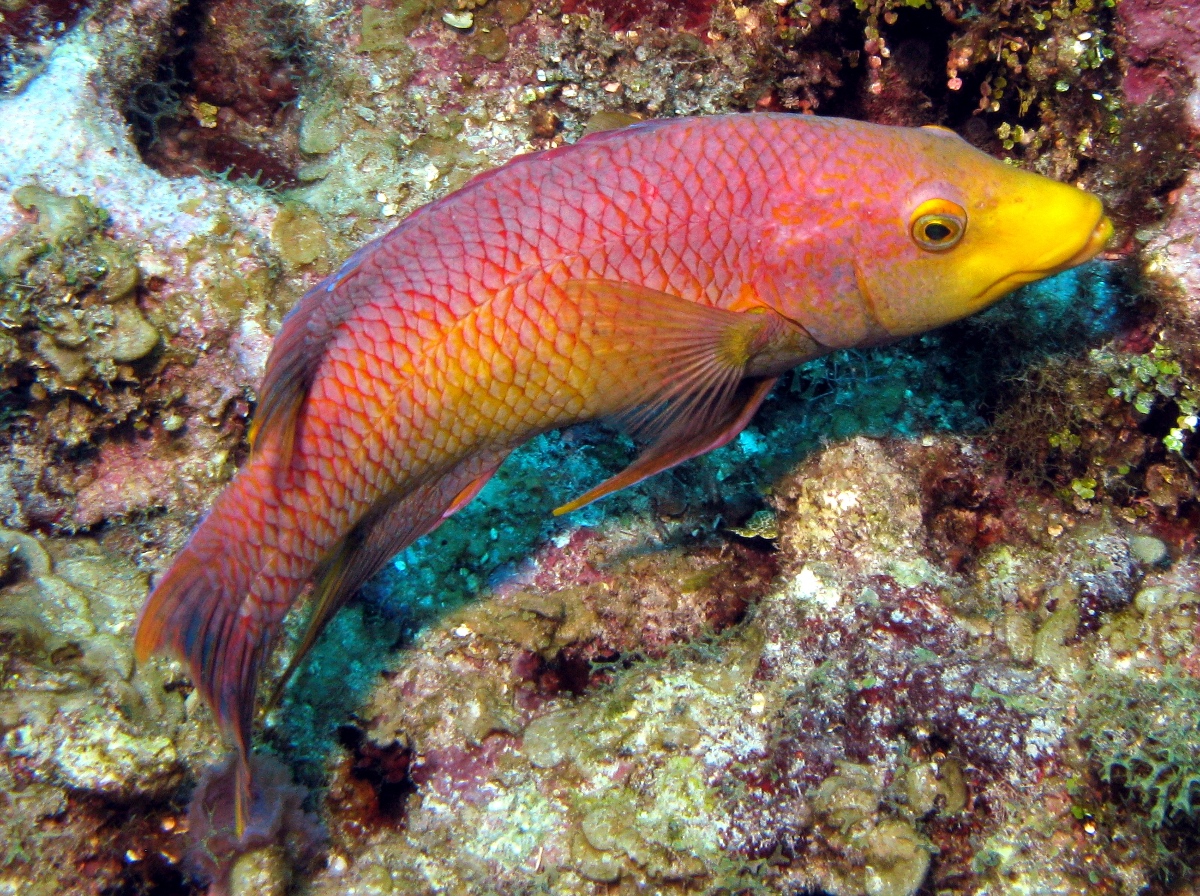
x=661, y=276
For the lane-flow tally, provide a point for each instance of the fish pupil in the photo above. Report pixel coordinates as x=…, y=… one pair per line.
x=935, y=232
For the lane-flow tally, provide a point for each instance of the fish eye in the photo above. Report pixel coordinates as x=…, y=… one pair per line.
x=938, y=224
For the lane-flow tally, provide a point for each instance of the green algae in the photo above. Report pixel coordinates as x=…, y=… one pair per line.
x=670, y=826
x=1050, y=643
x=61, y=219
x=896, y=856
x=492, y=44
x=322, y=129
x=83, y=735
x=261, y=872
x=59, y=624
x=664, y=822
x=1142, y=728
x=512, y=12
x=388, y=30
x=67, y=294
x=1154, y=379
x=24, y=814
x=542, y=623
x=299, y=235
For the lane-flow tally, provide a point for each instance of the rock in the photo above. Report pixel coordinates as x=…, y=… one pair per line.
x=1148, y=550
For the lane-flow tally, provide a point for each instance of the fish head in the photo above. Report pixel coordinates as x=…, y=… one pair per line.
x=967, y=229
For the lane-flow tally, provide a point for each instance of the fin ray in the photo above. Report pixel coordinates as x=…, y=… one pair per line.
x=694, y=355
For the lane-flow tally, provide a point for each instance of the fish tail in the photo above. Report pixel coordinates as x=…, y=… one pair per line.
x=241, y=794
x=218, y=609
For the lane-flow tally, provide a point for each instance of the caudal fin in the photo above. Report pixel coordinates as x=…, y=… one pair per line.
x=207, y=610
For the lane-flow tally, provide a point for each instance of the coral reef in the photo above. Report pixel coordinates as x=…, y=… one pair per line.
x=1142, y=730
x=929, y=625
x=279, y=837
x=874, y=709
x=83, y=731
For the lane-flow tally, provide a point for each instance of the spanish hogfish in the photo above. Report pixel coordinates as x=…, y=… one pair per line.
x=660, y=276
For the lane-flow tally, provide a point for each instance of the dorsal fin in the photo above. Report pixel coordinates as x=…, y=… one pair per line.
x=609, y=120
x=296, y=354
x=591, y=138
x=308, y=328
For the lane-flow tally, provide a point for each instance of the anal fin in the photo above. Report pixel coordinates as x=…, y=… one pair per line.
x=391, y=525
x=467, y=495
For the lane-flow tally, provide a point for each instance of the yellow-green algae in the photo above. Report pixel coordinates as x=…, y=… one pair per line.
x=299, y=236
x=63, y=624
x=385, y=30
x=67, y=292
x=895, y=856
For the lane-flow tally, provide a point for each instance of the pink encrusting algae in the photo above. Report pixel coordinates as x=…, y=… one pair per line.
x=660, y=276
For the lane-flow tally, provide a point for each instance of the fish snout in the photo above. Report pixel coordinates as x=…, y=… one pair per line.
x=1098, y=239
x=1052, y=263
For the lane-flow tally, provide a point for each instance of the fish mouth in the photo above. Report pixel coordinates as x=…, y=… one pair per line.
x=1096, y=241
x=1099, y=238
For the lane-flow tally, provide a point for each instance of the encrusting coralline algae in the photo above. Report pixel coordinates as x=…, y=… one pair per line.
x=961, y=658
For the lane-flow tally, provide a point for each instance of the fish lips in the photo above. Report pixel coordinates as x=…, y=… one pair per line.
x=1096, y=241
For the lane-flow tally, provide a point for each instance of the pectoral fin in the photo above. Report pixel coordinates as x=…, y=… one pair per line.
x=467, y=495
x=688, y=360
x=674, y=448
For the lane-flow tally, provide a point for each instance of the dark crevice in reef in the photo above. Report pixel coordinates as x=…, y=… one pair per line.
x=221, y=101
x=153, y=878
x=814, y=70
x=826, y=68
x=383, y=771
x=1036, y=325
x=913, y=86
x=134, y=851
x=158, y=99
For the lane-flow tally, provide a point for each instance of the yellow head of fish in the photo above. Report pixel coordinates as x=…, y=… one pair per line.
x=981, y=231
x=927, y=230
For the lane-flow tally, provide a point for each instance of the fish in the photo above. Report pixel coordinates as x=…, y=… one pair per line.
x=660, y=277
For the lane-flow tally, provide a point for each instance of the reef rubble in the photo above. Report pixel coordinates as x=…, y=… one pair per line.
x=928, y=626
